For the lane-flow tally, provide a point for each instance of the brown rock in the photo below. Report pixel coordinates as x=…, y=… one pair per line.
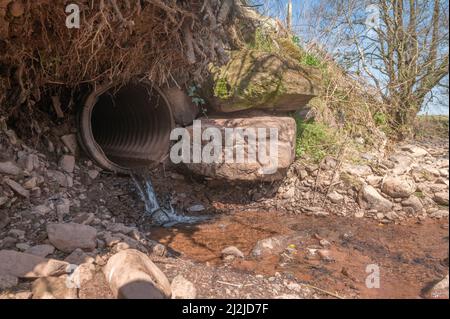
x=70, y=141
x=16, y=187
x=68, y=237
x=8, y=281
x=398, y=187
x=41, y=250
x=9, y=168
x=369, y=198
x=78, y=257
x=24, y=265
x=67, y=163
x=441, y=198
x=4, y=219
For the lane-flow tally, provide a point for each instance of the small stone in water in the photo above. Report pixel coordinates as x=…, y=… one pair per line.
x=196, y=208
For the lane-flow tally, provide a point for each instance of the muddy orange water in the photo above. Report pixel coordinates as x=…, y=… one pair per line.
x=410, y=256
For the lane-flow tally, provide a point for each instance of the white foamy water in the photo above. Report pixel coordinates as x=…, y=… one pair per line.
x=166, y=217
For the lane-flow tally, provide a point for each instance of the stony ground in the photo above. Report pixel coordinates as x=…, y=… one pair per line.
x=66, y=226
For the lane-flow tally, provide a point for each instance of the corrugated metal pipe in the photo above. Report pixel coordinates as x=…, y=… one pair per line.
x=126, y=128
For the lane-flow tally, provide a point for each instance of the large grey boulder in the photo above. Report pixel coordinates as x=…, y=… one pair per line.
x=271, y=168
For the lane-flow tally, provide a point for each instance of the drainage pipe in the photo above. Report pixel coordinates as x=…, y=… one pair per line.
x=126, y=128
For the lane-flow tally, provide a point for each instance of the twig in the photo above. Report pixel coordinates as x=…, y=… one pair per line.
x=322, y=290
x=229, y=284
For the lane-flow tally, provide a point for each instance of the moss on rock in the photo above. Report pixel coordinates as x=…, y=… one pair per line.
x=263, y=80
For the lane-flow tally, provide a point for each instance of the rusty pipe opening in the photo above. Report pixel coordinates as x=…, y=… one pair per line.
x=126, y=128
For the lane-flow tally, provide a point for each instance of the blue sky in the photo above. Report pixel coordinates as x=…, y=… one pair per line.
x=439, y=105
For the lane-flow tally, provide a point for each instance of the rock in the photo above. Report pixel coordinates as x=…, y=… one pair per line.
x=233, y=251
x=159, y=250
x=70, y=141
x=440, y=290
x=253, y=79
x=335, y=197
x=184, y=111
x=23, y=295
x=30, y=183
x=9, y=168
x=17, y=233
x=289, y=193
x=67, y=163
x=84, y=218
x=414, y=150
x=53, y=288
x=398, y=186
x=22, y=246
x=369, y=198
x=93, y=173
x=119, y=228
x=8, y=282
x=196, y=208
x=16, y=187
x=41, y=210
x=3, y=200
x=82, y=274
x=41, y=250
x=415, y=203
x=391, y=216
x=110, y=240
x=357, y=170
x=324, y=243
x=63, y=208
x=36, y=192
x=132, y=275
x=183, y=288
x=60, y=178
x=441, y=198
x=78, y=257
x=374, y=180
x=68, y=237
x=402, y=164
x=24, y=265
x=444, y=172
x=439, y=214
x=4, y=219
x=325, y=254
x=269, y=246
x=272, y=168
x=128, y=242
x=359, y=214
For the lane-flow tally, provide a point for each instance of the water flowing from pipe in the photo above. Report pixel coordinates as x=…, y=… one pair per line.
x=166, y=217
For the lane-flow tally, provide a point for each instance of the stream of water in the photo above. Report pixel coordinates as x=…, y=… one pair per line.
x=162, y=216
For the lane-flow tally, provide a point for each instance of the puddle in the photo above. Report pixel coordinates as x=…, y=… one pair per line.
x=409, y=256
